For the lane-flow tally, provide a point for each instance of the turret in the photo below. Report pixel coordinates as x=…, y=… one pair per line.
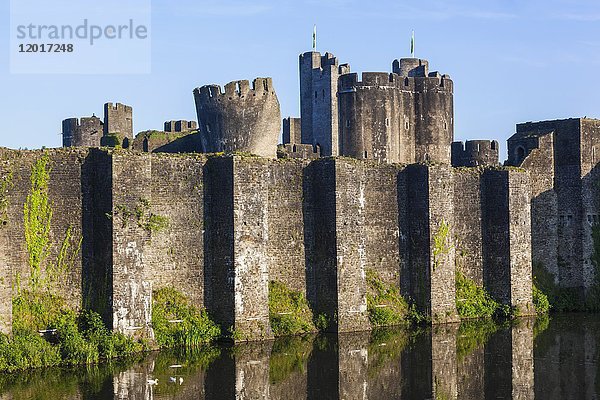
x=118, y=125
x=239, y=118
x=86, y=132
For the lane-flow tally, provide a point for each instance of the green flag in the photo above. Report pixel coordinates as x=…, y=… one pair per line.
x=412, y=45
x=315, y=38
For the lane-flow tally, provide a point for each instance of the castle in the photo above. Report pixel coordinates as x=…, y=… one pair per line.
x=367, y=179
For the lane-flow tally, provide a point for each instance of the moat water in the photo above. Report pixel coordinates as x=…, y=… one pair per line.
x=544, y=359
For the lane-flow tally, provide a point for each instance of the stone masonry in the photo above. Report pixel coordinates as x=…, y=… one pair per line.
x=563, y=161
x=234, y=223
x=239, y=118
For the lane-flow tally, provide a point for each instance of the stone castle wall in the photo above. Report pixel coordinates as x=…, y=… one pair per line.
x=235, y=223
x=562, y=159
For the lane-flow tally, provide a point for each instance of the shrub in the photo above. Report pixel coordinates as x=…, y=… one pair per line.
x=385, y=304
x=33, y=311
x=473, y=301
x=289, y=313
x=559, y=298
x=195, y=328
x=27, y=350
x=540, y=300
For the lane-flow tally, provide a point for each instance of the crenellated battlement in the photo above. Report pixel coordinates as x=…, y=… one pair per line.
x=434, y=82
x=180, y=126
x=474, y=153
x=317, y=60
x=235, y=90
x=118, y=107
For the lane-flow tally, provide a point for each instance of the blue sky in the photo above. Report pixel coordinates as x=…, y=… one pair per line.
x=511, y=60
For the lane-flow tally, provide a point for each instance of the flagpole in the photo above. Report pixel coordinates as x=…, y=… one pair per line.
x=412, y=44
x=315, y=37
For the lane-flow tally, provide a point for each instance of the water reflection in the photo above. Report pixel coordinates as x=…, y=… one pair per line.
x=475, y=360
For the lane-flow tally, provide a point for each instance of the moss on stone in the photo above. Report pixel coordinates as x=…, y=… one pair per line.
x=141, y=216
x=441, y=243
x=289, y=312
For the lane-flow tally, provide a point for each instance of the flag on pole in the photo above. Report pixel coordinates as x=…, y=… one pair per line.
x=412, y=45
x=315, y=38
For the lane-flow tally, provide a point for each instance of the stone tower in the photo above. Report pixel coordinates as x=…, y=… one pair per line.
x=318, y=100
x=406, y=116
x=564, y=165
x=240, y=118
x=118, y=125
x=84, y=133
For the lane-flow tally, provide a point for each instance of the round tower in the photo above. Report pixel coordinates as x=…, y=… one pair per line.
x=84, y=133
x=374, y=117
x=434, y=109
x=239, y=118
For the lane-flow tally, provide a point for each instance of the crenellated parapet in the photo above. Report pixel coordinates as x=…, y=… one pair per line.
x=180, y=126
x=475, y=153
x=239, y=118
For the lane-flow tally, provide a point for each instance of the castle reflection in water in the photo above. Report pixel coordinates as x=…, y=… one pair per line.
x=527, y=359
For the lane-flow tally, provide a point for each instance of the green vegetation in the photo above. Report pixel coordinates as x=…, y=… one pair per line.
x=73, y=338
x=141, y=215
x=34, y=311
x=540, y=300
x=441, y=244
x=111, y=140
x=37, y=222
x=385, y=304
x=289, y=355
x=322, y=322
x=6, y=183
x=473, y=301
x=289, y=312
x=177, y=323
x=37, y=212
